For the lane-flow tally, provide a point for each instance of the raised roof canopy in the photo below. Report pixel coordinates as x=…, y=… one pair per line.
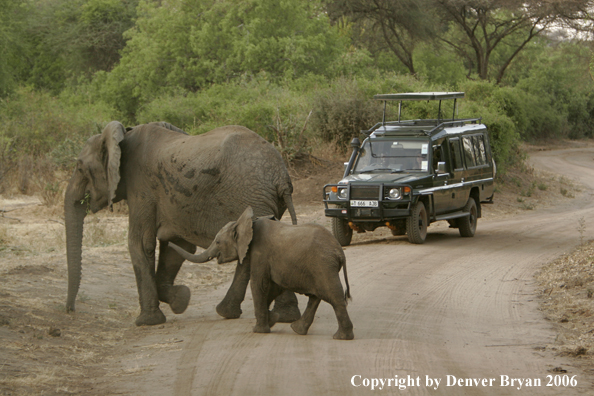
x=420, y=96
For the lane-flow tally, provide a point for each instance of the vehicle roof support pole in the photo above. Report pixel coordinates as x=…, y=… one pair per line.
x=454, y=113
x=399, y=109
x=439, y=113
x=384, y=117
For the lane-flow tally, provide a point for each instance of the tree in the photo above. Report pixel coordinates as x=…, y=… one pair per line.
x=484, y=26
x=69, y=38
x=190, y=45
x=399, y=25
x=12, y=49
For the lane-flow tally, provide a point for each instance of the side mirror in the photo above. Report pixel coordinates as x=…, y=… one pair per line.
x=441, y=168
x=345, y=165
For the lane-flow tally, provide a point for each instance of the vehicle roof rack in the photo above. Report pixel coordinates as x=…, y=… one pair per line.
x=420, y=96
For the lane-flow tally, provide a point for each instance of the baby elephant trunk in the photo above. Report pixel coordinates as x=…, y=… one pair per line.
x=203, y=257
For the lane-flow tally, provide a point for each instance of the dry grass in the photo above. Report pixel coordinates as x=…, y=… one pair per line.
x=567, y=299
x=523, y=188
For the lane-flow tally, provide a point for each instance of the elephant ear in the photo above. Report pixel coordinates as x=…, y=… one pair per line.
x=244, y=233
x=112, y=135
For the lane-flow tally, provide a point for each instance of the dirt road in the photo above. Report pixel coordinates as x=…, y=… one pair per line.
x=448, y=310
x=454, y=309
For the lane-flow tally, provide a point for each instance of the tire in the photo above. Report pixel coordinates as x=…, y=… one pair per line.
x=342, y=232
x=416, y=224
x=467, y=225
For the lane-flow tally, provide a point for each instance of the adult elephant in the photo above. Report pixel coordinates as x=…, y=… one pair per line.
x=179, y=188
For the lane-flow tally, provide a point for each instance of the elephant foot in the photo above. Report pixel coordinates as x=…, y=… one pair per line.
x=150, y=318
x=286, y=313
x=181, y=298
x=228, y=310
x=285, y=305
x=261, y=329
x=272, y=318
x=344, y=335
x=300, y=327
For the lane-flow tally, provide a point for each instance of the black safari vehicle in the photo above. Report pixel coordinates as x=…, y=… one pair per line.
x=408, y=174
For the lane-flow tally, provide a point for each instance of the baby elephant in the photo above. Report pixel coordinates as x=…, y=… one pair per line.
x=305, y=259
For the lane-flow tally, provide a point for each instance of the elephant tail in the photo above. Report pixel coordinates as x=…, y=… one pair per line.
x=347, y=294
x=289, y=202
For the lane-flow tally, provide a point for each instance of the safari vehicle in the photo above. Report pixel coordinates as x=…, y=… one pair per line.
x=409, y=174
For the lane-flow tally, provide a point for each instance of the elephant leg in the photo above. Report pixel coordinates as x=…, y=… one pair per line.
x=178, y=296
x=301, y=326
x=286, y=307
x=261, y=286
x=274, y=292
x=230, y=307
x=345, y=326
x=142, y=253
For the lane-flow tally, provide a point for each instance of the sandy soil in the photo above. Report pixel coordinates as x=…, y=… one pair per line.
x=454, y=307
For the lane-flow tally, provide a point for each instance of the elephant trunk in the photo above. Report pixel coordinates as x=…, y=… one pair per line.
x=203, y=257
x=74, y=212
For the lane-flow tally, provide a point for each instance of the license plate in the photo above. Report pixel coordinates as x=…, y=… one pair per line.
x=363, y=204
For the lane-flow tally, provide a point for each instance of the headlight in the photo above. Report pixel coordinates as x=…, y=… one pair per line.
x=394, y=193
x=342, y=193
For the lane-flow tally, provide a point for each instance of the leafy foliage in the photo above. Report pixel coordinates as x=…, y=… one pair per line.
x=295, y=72
x=191, y=45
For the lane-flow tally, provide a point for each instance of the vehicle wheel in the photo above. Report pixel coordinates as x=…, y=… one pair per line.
x=342, y=232
x=416, y=224
x=467, y=225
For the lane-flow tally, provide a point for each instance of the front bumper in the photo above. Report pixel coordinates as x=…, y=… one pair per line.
x=386, y=210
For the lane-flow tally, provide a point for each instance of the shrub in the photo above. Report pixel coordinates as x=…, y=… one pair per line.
x=41, y=134
x=341, y=112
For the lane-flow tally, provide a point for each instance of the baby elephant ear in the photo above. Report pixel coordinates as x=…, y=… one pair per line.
x=244, y=233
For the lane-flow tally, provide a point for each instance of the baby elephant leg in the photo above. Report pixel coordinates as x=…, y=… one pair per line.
x=260, y=294
x=345, y=326
x=274, y=291
x=301, y=326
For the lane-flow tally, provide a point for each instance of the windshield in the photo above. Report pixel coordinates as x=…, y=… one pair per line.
x=393, y=156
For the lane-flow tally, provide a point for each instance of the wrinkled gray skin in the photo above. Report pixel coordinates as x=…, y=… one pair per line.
x=179, y=188
x=305, y=259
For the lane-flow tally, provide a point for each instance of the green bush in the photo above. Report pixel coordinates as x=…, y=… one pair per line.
x=342, y=111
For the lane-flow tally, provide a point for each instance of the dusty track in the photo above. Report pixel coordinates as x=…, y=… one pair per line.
x=454, y=306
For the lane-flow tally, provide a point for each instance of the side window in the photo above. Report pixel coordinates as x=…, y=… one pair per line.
x=468, y=151
x=456, y=154
x=479, y=149
x=437, y=156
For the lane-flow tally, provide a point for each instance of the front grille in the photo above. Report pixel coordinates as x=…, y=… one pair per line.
x=373, y=213
x=365, y=192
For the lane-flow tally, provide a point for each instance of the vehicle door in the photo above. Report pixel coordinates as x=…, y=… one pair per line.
x=442, y=199
x=478, y=163
x=460, y=191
